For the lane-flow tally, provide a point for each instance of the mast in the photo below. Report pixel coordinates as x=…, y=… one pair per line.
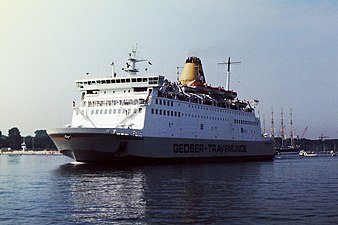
x=264, y=130
x=131, y=63
x=113, y=73
x=292, y=141
x=228, y=72
x=282, y=134
x=272, y=124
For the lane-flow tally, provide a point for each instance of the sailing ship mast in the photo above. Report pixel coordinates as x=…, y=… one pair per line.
x=292, y=141
x=272, y=124
x=282, y=133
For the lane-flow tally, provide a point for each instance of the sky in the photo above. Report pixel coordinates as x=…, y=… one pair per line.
x=288, y=52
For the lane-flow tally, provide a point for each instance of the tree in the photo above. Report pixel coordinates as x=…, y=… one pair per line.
x=3, y=140
x=42, y=140
x=29, y=142
x=14, y=138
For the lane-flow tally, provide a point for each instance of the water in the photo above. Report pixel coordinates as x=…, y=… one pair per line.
x=51, y=190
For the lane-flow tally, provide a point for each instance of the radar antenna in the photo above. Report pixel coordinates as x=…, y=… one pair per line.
x=132, y=61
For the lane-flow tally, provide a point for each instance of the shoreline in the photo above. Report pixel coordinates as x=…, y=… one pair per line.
x=30, y=152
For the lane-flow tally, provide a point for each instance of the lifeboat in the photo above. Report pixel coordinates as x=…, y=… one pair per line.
x=189, y=89
x=200, y=88
x=218, y=91
x=209, y=90
x=230, y=94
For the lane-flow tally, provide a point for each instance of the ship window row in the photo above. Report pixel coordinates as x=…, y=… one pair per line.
x=115, y=111
x=165, y=112
x=135, y=89
x=170, y=103
x=207, y=108
x=205, y=117
x=179, y=114
x=219, y=110
x=253, y=123
x=113, y=102
x=164, y=102
x=151, y=80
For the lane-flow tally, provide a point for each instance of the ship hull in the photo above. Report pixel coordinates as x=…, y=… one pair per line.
x=107, y=145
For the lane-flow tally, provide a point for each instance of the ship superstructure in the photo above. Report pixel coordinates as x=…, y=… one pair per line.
x=147, y=117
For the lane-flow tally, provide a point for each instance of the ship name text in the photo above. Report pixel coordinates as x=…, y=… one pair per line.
x=200, y=148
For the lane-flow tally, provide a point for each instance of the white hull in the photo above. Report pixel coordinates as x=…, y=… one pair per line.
x=93, y=145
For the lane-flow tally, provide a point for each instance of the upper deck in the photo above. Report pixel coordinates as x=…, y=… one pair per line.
x=158, y=107
x=119, y=82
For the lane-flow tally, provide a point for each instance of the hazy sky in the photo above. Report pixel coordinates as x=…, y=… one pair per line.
x=288, y=51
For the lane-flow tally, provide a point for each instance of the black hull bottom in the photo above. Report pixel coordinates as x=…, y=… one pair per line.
x=98, y=146
x=136, y=160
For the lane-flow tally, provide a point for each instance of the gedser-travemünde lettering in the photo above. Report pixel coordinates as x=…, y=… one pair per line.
x=199, y=148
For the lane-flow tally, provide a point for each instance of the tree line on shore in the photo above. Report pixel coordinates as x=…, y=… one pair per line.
x=14, y=140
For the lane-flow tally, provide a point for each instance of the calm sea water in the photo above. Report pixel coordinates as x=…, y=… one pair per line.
x=52, y=190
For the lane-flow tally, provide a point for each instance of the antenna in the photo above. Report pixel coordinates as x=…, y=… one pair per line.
x=132, y=61
x=282, y=134
x=113, y=74
x=228, y=71
x=272, y=124
x=264, y=130
x=291, y=130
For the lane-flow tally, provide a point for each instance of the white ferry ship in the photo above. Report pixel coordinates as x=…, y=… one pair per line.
x=146, y=118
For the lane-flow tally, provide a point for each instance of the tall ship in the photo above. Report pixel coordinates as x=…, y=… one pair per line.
x=134, y=118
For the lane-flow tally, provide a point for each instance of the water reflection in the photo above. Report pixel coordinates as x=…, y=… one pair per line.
x=13, y=159
x=99, y=193
x=172, y=193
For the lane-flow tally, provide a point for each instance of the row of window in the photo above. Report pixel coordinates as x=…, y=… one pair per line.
x=179, y=114
x=113, y=102
x=152, y=80
x=97, y=92
x=170, y=103
x=164, y=102
x=204, y=117
x=165, y=112
x=113, y=111
x=253, y=123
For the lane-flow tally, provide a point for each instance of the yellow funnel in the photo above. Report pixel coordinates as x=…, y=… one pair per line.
x=192, y=72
